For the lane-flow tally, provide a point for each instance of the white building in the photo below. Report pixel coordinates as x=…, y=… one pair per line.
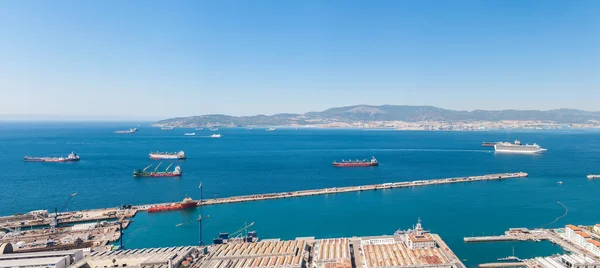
x=593, y=246
x=597, y=228
x=570, y=231
x=57, y=259
x=419, y=239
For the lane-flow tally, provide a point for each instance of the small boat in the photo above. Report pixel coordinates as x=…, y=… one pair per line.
x=190, y=134
x=364, y=163
x=511, y=257
x=271, y=129
x=593, y=176
x=165, y=155
x=186, y=203
x=72, y=157
x=143, y=173
x=129, y=131
x=213, y=128
x=215, y=136
x=560, y=182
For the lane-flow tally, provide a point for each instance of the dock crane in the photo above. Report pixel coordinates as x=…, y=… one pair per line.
x=199, y=220
x=54, y=221
x=239, y=234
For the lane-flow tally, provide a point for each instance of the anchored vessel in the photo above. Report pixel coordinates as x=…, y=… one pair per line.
x=129, y=131
x=489, y=144
x=165, y=155
x=186, y=203
x=143, y=173
x=593, y=176
x=517, y=147
x=71, y=158
x=190, y=134
x=364, y=163
x=271, y=129
x=215, y=135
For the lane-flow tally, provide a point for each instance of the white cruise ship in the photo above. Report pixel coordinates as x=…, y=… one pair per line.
x=517, y=147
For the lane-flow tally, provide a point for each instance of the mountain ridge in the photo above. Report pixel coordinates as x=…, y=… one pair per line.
x=370, y=113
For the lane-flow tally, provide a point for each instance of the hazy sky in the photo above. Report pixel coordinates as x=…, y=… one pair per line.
x=178, y=58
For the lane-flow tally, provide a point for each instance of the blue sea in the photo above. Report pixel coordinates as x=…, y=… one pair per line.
x=257, y=161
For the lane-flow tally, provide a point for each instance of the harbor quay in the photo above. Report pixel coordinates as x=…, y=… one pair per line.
x=97, y=229
x=411, y=248
x=581, y=242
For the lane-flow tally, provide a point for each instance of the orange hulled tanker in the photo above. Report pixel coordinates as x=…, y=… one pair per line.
x=185, y=204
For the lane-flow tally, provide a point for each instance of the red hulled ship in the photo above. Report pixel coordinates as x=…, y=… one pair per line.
x=364, y=163
x=186, y=203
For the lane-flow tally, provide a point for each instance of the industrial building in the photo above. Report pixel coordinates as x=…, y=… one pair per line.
x=331, y=253
x=57, y=259
x=270, y=253
x=148, y=257
x=565, y=261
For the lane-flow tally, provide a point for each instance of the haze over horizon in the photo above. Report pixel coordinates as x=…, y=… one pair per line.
x=155, y=60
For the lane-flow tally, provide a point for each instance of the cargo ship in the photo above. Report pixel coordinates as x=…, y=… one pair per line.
x=143, y=173
x=489, y=144
x=129, y=131
x=364, y=163
x=72, y=157
x=186, y=203
x=165, y=155
x=517, y=147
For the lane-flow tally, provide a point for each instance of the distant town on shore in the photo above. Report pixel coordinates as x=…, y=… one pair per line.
x=401, y=117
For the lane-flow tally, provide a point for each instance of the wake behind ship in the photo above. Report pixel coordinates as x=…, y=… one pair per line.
x=364, y=163
x=517, y=147
x=143, y=173
x=72, y=157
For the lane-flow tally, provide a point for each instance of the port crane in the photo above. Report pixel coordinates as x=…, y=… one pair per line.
x=199, y=220
x=239, y=234
x=54, y=221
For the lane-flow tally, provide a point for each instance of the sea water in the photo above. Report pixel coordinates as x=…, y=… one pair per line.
x=257, y=161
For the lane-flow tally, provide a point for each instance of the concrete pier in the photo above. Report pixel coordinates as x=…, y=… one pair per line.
x=334, y=190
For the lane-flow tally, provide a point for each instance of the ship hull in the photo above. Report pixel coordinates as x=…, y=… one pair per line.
x=488, y=144
x=509, y=151
x=168, y=157
x=172, y=207
x=52, y=160
x=355, y=164
x=157, y=174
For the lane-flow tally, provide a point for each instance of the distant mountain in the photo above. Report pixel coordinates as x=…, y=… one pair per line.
x=367, y=113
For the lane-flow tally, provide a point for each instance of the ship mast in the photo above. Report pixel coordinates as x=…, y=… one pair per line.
x=157, y=166
x=168, y=167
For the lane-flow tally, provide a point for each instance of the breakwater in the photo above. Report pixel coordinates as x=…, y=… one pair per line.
x=334, y=190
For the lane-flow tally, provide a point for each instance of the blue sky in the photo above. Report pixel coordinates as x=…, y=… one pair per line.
x=155, y=59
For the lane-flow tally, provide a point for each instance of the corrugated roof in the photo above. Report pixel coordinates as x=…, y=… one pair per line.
x=583, y=234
